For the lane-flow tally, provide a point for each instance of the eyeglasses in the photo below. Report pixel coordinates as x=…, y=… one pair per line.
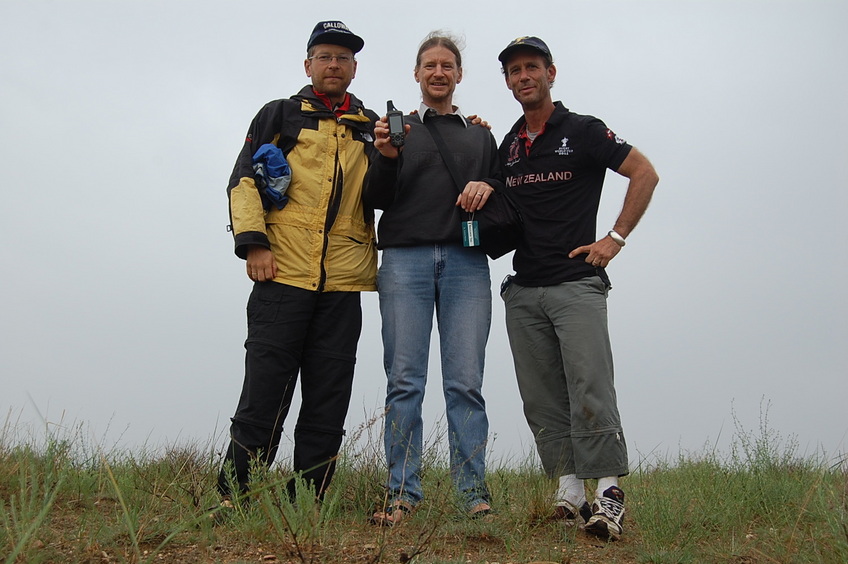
x=325, y=59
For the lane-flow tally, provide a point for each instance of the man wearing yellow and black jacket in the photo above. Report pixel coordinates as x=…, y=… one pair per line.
x=310, y=249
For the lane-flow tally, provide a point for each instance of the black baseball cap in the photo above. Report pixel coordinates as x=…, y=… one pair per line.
x=335, y=33
x=526, y=41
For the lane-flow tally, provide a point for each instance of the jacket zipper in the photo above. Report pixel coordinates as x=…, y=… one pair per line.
x=332, y=211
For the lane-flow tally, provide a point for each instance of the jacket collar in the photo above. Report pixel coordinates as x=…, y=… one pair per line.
x=354, y=114
x=352, y=104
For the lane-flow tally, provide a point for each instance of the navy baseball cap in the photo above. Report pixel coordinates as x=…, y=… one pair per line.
x=335, y=33
x=526, y=41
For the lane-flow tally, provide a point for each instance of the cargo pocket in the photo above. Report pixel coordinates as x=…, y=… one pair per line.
x=264, y=302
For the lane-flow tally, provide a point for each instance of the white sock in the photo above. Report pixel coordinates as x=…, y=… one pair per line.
x=605, y=483
x=571, y=489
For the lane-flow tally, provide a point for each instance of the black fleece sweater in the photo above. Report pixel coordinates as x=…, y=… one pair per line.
x=416, y=192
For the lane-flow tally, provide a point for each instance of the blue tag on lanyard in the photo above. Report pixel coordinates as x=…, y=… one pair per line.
x=470, y=234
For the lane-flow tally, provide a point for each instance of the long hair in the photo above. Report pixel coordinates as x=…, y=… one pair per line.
x=439, y=38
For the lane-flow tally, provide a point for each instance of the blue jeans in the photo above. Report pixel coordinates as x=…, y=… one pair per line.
x=412, y=283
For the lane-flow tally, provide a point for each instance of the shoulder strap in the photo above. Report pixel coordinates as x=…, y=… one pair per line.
x=290, y=123
x=440, y=144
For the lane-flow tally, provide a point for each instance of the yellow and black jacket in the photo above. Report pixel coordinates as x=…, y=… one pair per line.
x=323, y=239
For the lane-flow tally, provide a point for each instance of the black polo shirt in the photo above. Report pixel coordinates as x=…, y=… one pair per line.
x=556, y=182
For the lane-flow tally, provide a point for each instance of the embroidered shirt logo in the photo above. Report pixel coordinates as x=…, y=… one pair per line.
x=564, y=149
x=611, y=135
x=513, y=156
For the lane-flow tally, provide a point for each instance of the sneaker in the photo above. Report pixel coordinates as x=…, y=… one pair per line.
x=566, y=512
x=607, y=514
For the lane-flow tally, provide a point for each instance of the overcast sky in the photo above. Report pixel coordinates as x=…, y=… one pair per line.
x=122, y=303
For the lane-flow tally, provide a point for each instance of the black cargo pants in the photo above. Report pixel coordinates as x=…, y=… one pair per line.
x=293, y=331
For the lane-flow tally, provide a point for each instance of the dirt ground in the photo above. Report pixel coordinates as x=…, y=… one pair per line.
x=407, y=543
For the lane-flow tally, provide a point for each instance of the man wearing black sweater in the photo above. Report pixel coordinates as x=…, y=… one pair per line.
x=425, y=268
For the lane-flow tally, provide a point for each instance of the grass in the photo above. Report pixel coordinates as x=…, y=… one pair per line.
x=62, y=500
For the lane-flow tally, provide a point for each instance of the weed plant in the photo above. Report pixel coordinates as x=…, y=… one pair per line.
x=62, y=500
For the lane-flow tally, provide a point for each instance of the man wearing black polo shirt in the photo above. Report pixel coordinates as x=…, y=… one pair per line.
x=554, y=162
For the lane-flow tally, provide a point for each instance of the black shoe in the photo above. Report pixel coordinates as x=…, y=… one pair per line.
x=607, y=514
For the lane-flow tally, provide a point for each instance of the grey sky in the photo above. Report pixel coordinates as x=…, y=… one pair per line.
x=123, y=304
